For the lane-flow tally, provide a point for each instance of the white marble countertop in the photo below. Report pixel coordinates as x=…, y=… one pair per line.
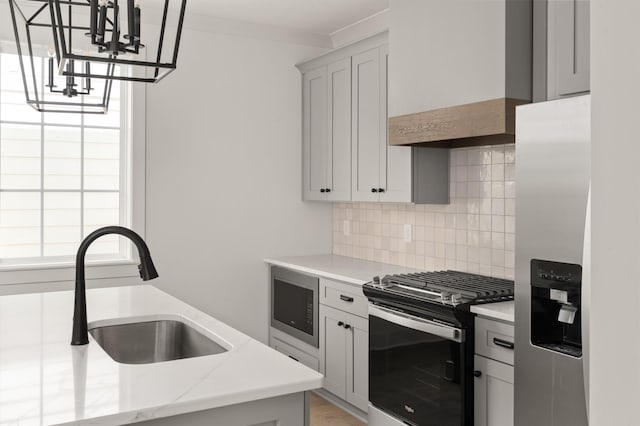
x=46, y=381
x=503, y=311
x=340, y=268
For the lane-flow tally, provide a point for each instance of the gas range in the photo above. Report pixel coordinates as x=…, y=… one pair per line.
x=444, y=288
x=421, y=345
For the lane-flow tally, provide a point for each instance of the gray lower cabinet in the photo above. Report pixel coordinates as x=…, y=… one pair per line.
x=344, y=345
x=493, y=364
x=343, y=352
x=561, y=48
x=493, y=390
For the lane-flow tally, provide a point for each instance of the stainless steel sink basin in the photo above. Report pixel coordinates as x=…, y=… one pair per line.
x=148, y=342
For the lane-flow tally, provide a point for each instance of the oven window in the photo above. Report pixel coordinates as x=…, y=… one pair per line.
x=293, y=305
x=414, y=375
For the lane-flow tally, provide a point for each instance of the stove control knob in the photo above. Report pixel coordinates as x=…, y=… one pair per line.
x=456, y=298
x=385, y=282
x=376, y=281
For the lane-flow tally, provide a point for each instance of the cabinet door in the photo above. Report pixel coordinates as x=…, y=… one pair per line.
x=314, y=125
x=366, y=135
x=334, y=346
x=357, y=362
x=339, y=130
x=395, y=161
x=493, y=393
x=568, y=47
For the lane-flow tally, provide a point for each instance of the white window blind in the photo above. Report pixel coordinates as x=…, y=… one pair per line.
x=62, y=175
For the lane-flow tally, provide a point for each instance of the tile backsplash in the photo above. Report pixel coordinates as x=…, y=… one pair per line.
x=474, y=233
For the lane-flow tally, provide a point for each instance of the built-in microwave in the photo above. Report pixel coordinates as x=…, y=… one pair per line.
x=294, y=304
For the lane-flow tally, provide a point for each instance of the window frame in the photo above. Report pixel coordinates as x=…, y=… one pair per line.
x=17, y=277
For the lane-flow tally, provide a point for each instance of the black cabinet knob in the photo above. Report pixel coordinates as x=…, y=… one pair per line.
x=374, y=190
x=340, y=324
x=322, y=190
x=380, y=189
x=327, y=190
x=477, y=373
x=347, y=326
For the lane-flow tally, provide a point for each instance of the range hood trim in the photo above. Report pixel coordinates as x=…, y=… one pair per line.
x=481, y=120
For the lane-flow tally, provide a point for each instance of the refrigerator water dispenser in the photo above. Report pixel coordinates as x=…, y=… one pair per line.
x=555, y=306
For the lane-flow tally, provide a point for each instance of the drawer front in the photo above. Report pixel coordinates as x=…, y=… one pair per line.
x=495, y=340
x=295, y=354
x=345, y=297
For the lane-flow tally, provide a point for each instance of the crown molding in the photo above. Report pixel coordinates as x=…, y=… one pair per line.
x=374, y=24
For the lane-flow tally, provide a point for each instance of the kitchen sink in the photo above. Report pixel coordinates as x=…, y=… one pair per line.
x=151, y=341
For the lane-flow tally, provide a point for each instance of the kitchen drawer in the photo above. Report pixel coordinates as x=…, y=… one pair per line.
x=295, y=354
x=345, y=297
x=494, y=340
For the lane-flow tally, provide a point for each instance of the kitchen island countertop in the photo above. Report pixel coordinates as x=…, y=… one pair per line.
x=44, y=380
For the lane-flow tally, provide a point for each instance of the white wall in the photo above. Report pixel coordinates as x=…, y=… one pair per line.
x=224, y=175
x=615, y=86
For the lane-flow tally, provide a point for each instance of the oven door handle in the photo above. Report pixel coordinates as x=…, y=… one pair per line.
x=416, y=323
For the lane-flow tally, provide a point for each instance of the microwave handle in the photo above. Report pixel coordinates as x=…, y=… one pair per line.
x=416, y=323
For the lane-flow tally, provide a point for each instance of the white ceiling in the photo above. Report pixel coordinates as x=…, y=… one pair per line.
x=313, y=16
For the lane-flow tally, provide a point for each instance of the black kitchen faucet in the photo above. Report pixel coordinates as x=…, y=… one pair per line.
x=147, y=270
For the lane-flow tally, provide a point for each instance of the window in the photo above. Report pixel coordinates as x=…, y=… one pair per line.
x=61, y=176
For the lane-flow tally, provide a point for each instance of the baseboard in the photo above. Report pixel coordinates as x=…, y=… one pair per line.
x=354, y=411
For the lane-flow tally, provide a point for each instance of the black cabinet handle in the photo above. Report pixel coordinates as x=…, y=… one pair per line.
x=327, y=190
x=295, y=359
x=477, y=373
x=503, y=343
x=340, y=324
x=374, y=190
x=346, y=298
x=347, y=326
x=322, y=190
x=380, y=189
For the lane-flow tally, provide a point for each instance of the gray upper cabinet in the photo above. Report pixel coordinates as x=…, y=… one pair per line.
x=315, y=134
x=327, y=132
x=379, y=172
x=367, y=154
x=339, y=128
x=561, y=48
x=345, y=139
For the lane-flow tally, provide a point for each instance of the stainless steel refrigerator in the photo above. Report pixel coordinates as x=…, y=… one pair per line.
x=552, y=262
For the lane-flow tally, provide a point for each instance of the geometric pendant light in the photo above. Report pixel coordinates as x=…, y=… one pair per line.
x=44, y=89
x=144, y=44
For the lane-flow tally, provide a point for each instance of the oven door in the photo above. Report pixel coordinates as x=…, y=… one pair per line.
x=416, y=370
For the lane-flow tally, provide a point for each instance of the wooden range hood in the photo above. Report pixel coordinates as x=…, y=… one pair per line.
x=480, y=123
x=457, y=70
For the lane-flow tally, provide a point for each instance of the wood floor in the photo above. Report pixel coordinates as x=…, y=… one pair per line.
x=324, y=413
